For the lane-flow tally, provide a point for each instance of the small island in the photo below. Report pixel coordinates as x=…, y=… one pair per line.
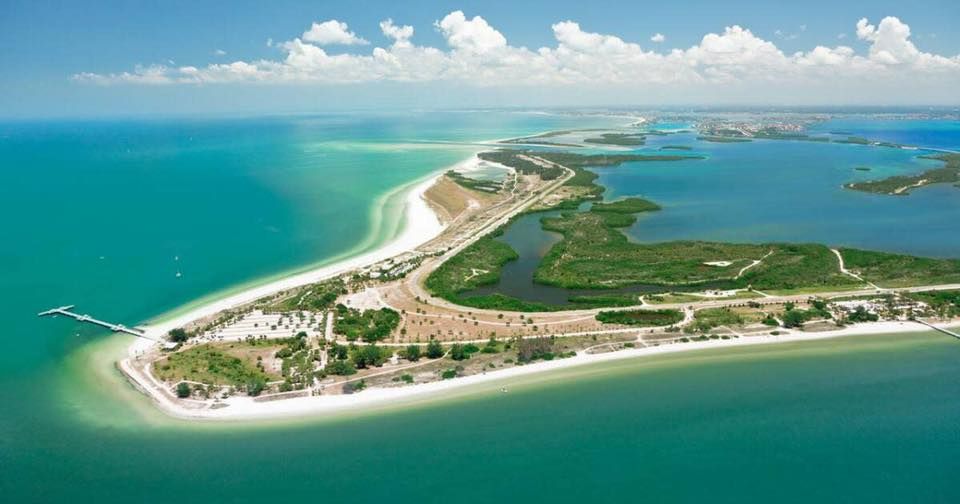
x=901, y=185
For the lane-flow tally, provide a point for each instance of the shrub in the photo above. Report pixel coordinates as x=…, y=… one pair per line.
x=458, y=352
x=434, y=349
x=255, y=386
x=341, y=368
x=183, y=390
x=178, y=335
x=411, y=353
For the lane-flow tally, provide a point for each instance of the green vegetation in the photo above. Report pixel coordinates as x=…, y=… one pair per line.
x=571, y=160
x=773, y=134
x=860, y=314
x=492, y=347
x=901, y=185
x=595, y=254
x=488, y=186
x=624, y=139
x=297, y=362
x=458, y=352
x=315, y=297
x=643, y=318
x=517, y=159
x=208, y=364
x=897, y=270
x=795, y=317
x=531, y=349
x=709, y=318
x=434, y=349
x=341, y=367
x=178, y=335
x=183, y=390
x=475, y=266
x=944, y=303
x=723, y=139
x=368, y=355
x=853, y=140
x=412, y=353
x=499, y=301
x=367, y=325
x=626, y=206
x=605, y=300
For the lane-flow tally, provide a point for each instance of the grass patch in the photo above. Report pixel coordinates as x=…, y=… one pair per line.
x=477, y=265
x=643, y=318
x=707, y=319
x=209, y=364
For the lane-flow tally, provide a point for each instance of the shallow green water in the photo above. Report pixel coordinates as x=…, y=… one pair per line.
x=860, y=420
x=241, y=200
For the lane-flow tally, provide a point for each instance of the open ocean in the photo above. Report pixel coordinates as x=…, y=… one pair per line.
x=103, y=214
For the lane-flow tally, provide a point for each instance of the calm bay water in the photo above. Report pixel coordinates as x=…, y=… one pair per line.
x=792, y=191
x=95, y=214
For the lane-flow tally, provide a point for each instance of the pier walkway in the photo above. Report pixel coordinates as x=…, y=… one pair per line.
x=941, y=329
x=65, y=310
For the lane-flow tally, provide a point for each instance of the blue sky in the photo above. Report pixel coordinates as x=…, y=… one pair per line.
x=46, y=43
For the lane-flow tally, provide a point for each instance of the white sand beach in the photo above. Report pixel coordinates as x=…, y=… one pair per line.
x=420, y=225
x=245, y=408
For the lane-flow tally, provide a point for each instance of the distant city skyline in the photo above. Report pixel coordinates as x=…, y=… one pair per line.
x=239, y=57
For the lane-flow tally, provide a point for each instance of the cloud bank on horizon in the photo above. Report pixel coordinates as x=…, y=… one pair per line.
x=479, y=55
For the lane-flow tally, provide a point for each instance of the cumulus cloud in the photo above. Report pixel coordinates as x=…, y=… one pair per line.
x=477, y=54
x=219, y=52
x=400, y=34
x=657, y=38
x=332, y=32
x=470, y=35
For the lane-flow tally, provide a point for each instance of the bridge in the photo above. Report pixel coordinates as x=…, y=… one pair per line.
x=941, y=329
x=65, y=310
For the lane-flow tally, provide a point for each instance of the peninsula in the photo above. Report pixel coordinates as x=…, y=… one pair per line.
x=404, y=320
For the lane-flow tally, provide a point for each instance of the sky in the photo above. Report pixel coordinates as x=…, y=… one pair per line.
x=93, y=59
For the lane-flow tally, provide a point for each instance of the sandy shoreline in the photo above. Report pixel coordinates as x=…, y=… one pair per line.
x=246, y=408
x=420, y=225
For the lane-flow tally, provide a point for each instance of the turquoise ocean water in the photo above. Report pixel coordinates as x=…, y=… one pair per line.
x=103, y=214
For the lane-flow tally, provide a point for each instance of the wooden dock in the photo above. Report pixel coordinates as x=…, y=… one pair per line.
x=65, y=310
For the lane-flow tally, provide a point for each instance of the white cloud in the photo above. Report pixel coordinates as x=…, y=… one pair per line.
x=400, y=34
x=657, y=38
x=332, y=32
x=479, y=55
x=219, y=52
x=470, y=35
